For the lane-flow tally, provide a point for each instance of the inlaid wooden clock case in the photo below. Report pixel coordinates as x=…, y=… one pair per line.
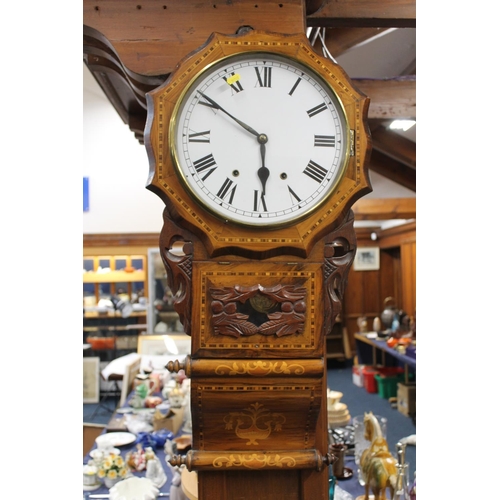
x=257, y=302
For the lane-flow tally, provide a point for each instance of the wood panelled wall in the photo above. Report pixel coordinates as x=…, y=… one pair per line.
x=366, y=290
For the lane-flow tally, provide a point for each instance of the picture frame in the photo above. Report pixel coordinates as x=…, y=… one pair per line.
x=158, y=344
x=91, y=381
x=131, y=370
x=367, y=259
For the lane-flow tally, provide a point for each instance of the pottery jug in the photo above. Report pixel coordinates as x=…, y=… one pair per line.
x=389, y=311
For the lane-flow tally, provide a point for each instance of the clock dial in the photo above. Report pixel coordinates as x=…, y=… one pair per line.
x=259, y=139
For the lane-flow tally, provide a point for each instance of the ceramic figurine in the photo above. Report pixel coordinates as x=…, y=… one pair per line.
x=378, y=466
x=155, y=472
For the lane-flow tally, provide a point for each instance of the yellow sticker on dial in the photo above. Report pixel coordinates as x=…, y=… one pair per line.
x=233, y=79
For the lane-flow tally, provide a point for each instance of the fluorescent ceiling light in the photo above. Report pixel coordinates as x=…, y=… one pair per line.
x=402, y=125
x=170, y=345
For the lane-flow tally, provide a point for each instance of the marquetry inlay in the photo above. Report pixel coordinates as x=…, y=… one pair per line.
x=254, y=460
x=267, y=309
x=260, y=368
x=254, y=423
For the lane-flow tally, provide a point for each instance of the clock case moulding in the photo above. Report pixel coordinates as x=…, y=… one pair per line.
x=221, y=237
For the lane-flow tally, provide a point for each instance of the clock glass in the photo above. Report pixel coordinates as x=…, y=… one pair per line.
x=259, y=139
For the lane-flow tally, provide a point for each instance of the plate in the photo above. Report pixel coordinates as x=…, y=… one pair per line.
x=94, y=487
x=126, y=409
x=116, y=438
x=346, y=474
x=93, y=453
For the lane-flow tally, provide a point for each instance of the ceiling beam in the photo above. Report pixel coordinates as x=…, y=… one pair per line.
x=393, y=145
x=151, y=37
x=391, y=98
x=394, y=170
x=385, y=209
x=363, y=13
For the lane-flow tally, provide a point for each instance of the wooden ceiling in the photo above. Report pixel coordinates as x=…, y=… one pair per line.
x=131, y=47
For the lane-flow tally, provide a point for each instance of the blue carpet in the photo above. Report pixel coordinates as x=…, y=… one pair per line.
x=357, y=399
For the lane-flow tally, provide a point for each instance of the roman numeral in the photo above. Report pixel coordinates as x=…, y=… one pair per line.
x=208, y=104
x=236, y=86
x=293, y=194
x=203, y=164
x=295, y=86
x=317, y=109
x=266, y=74
x=258, y=197
x=326, y=141
x=225, y=188
x=200, y=136
x=315, y=171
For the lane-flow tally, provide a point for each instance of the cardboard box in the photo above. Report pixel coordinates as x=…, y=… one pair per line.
x=407, y=398
x=172, y=421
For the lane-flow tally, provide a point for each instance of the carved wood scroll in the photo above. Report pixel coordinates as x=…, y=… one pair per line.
x=176, y=252
x=248, y=310
x=339, y=252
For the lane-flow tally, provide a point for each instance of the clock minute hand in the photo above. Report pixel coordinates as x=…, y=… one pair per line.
x=239, y=122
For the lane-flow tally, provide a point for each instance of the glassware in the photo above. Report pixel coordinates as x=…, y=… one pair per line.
x=331, y=484
x=402, y=489
x=360, y=443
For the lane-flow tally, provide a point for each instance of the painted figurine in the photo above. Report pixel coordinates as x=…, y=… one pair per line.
x=378, y=466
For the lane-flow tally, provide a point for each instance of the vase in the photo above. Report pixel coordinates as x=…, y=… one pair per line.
x=109, y=483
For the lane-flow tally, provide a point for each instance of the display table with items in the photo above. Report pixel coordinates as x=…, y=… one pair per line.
x=134, y=454
x=373, y=350
x=388, y=366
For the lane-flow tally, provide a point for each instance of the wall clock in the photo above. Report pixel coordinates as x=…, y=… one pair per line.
x=258, y=147
x=258, y=132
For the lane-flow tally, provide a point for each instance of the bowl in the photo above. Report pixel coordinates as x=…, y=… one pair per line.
x=134, y=487
x=333, y=397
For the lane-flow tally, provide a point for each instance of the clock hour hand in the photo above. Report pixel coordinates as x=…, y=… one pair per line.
x=239, y=122
x=263, y=171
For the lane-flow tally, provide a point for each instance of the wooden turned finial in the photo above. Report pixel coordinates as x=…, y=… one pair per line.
x=174, y=366
x=329, y=459
x=178, y=460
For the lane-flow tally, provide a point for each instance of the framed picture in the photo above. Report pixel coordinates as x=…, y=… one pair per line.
x=131, y=370
x=164, y=344
x=91, y=380
x=367, y=259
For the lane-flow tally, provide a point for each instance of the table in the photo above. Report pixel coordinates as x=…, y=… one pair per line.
x=188, y=486
x=372, y=351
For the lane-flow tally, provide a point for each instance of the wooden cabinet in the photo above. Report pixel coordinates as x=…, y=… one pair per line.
x=105, y=276
x=112, y=331
x=337, y=342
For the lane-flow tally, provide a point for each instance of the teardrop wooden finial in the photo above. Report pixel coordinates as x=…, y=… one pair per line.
x=178, y=460
x=174, y=366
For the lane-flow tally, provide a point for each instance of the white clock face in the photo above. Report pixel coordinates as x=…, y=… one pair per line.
x=260, y=140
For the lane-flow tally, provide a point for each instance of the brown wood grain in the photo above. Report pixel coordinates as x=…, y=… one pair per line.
x=366, y=13
x=385, y=208
x=390, y=98
x=151, y=37
x=222, y=237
